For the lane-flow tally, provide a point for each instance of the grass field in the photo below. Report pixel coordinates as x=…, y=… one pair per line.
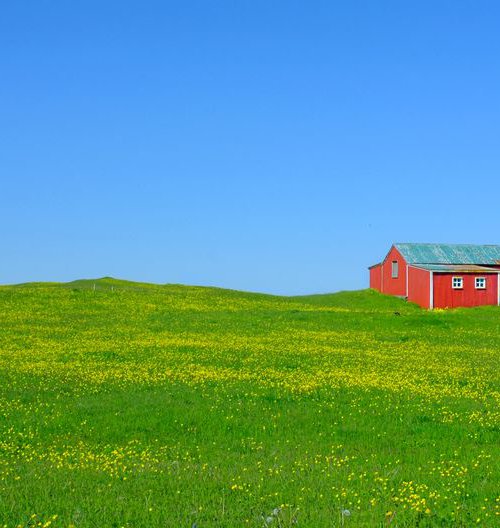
x=127, y=404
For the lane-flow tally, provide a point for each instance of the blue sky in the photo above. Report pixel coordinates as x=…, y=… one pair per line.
x=267, y=146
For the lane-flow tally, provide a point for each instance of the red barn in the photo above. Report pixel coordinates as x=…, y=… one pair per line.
x=440, y=275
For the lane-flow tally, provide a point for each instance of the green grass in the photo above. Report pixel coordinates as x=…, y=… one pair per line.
x=139, y=405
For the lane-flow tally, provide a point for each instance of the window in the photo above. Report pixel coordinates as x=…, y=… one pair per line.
x=457, y=283
x=480, y=283
x=395, y=269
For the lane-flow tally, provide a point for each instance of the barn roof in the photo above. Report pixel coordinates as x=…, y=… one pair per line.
x=449, y=253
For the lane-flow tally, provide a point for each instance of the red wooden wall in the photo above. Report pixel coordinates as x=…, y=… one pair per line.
x=419, y=282
x=446, y=297
x=390, y=285
x=376, y=277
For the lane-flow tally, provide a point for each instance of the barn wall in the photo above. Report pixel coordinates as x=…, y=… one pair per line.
x=390, y=285
x=419, y=284
x=446, y=297
x=376, y=277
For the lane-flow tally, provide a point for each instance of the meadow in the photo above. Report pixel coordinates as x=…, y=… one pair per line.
x=135, y=405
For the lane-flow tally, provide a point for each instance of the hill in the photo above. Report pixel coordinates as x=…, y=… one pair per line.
x=133, y=404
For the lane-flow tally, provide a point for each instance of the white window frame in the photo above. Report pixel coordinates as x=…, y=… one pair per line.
x=457, y=283
x=483, y=279
x=394, y=269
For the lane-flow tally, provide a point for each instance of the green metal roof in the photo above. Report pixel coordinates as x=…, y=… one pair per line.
x=449, y=254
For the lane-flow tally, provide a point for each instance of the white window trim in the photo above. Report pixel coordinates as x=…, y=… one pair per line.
x=461, y=279
x=484, y=283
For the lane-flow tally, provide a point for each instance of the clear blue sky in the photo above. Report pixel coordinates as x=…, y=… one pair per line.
x=268, y=146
